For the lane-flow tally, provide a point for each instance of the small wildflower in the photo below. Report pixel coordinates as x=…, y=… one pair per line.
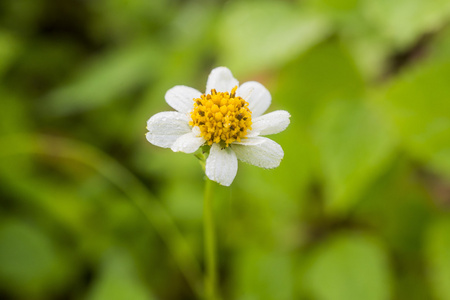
x=228, y=118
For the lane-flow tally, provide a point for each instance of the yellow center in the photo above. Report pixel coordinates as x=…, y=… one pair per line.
x=222, y=117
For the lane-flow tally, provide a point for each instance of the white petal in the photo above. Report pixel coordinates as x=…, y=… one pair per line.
x=221, y=165
x=181, y=98
x=266, y=154
x=166, y=127
x=257, y=96
x=187, y=143
x=249, y=141
x=221, y=79
x=270, y=123
x=196, y=131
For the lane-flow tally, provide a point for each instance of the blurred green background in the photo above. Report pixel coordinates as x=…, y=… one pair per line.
x=358, y=209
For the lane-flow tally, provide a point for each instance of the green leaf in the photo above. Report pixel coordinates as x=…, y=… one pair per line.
x=403, y=21
x=438, y=259
x=27, y=259
x=335, y=6
x=118, y=279
x=259, y=35
x=127, y=20
x=306, y=85
x=9, y=48
x=14, y=113
x=354, y=146
x=350, y=267
x=105, y=79
x=417, y=103
x=262, y=275
x=325, y=73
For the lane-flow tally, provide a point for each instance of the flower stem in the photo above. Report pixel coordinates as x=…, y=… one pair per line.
x=210, y=244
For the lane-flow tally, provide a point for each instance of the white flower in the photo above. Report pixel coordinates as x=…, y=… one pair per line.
x=228, y=117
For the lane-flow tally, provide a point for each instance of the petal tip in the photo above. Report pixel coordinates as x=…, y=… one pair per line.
x=221, y=165
x=221, y=79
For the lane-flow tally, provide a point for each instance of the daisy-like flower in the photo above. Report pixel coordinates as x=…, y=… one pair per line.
x=227, y=117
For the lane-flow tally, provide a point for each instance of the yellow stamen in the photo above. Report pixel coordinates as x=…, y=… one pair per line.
x=222, y=117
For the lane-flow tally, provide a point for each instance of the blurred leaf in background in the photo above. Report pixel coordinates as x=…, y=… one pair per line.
x=350, y=266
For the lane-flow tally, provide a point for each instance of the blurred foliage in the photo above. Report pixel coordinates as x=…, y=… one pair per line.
x=358, y=209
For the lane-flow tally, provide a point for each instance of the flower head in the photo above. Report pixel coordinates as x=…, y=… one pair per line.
x=228, y=118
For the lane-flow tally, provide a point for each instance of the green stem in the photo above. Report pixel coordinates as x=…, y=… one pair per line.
x=210, y=244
